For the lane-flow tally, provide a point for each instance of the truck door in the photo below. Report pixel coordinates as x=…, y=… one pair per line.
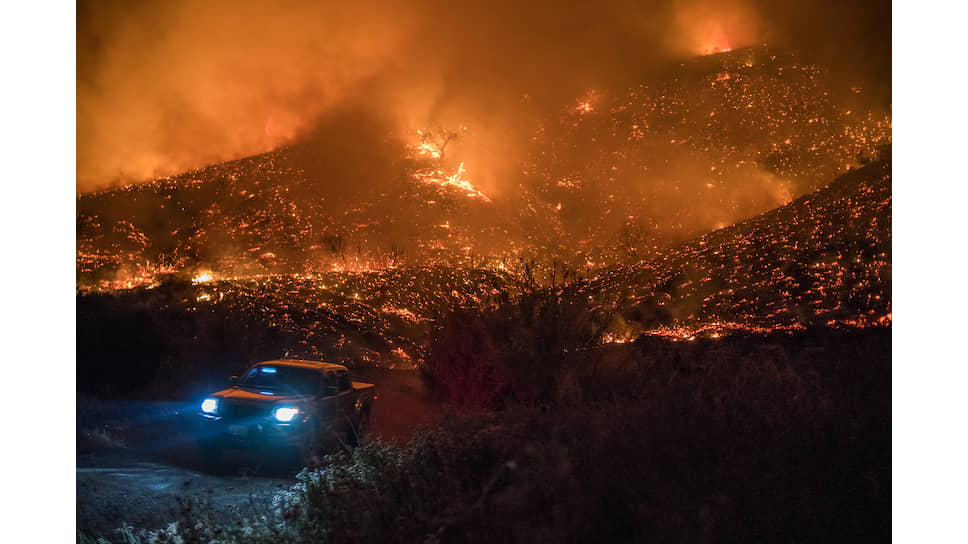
x=330, y=408
x=346, y=399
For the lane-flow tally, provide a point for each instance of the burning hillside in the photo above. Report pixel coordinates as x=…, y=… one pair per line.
x=296, y=210
x=822, y=260
x=715, y=141
x=379, y=319
x=614, y=178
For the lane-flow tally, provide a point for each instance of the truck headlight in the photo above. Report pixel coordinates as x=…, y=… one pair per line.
x=285, y=413
x=210, y=405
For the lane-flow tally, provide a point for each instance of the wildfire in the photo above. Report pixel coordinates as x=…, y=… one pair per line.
x=455, y=180
x=404, y=313
x=581, y=159
x=611, y=338
x=714, y=48
x=431, y=147
x=587, y=104
x=427, y=149
x=432, y=143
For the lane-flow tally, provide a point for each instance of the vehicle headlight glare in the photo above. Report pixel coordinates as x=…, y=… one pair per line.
x=210, y=405
x=286, y=413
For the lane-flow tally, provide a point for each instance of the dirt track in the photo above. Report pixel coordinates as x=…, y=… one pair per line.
x=157, y=472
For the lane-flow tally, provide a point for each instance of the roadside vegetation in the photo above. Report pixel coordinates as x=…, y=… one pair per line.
x=555, y=437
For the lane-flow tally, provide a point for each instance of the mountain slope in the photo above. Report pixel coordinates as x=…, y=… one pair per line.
x=619, y=177
x=823, y=259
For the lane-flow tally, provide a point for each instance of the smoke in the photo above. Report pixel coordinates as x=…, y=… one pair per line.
x=705, y=27
x=168, y=86
x=164, y=87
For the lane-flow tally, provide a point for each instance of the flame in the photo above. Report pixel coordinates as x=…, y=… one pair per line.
x=716, y=46
x=428, y=149
x=707, y=27
x=202, y=277
x=611, y=338
x=455, y=180
x=587, y=103
x=431, y=146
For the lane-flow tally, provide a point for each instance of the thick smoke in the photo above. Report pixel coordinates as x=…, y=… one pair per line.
x=168, y=86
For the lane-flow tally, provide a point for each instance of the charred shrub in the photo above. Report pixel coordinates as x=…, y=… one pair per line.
x=385, y=492
x=660, y=469
x=465, y=364
x=511, y=354
x=543, y=350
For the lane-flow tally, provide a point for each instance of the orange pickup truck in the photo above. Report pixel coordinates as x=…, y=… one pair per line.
x=302, y=406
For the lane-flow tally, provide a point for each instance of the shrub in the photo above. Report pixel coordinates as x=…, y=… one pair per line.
x=621, y=471
x=511, y=354
x=757, y=439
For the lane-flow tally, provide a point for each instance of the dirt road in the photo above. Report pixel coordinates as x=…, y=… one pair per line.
x=156, y=473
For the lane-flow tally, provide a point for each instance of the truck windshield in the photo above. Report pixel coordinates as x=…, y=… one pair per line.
x=282, y=379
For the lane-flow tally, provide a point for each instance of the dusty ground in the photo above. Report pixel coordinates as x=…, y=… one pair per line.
x=143, y=470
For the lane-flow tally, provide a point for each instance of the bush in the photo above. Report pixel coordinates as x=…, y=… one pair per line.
x=772, y=437
x=780, y=438
x=511, y=354
x=622, y=471
x=543, y=351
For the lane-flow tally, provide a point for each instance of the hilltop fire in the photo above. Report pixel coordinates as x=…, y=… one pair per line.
x=618, y=178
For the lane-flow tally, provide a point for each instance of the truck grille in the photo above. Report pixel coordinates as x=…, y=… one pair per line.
x=242, y=411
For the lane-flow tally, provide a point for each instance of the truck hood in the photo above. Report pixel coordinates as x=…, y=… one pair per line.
x=238, y=395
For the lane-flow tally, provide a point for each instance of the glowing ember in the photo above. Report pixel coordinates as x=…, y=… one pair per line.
x=611, y=338
x=587, y=104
